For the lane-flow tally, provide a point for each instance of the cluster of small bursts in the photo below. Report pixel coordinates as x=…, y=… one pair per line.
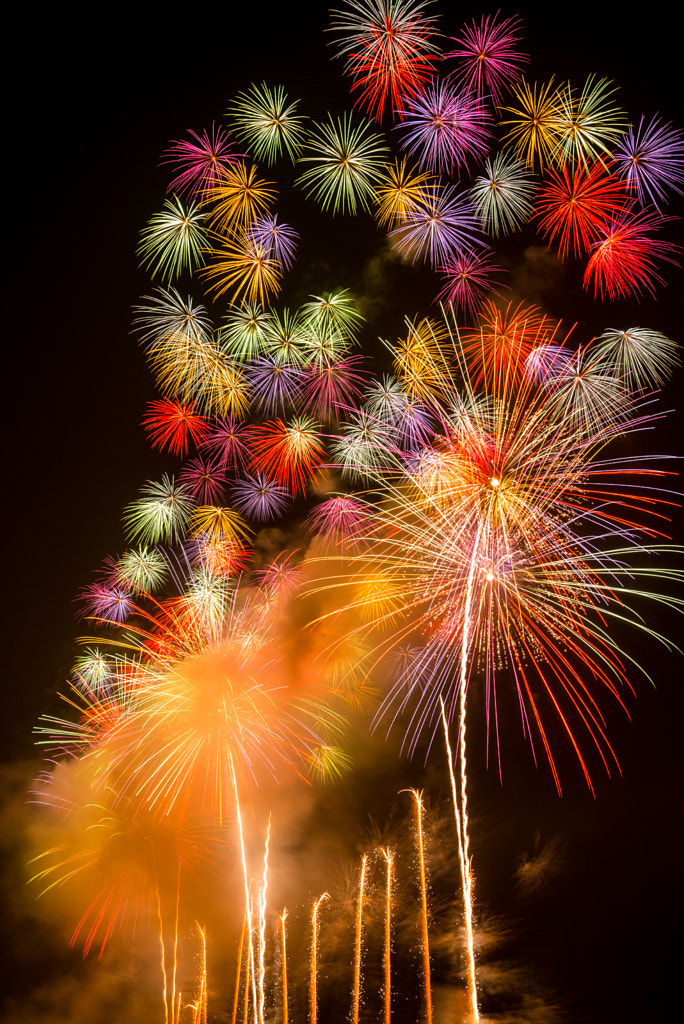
x=461, y=523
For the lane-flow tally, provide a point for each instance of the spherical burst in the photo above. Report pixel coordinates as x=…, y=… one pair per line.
x=445, y=128
x=331, y=386
x=498, y=348
x=201, y=162
x=228, y=442
x=362, y=447
x=533, y=130
x=503, y=195
x=347, y=164
x=111, y=604
x=330, y=323
x=168, y=316
x=243, y=331
x=468, y=282
x=260, y=498
x=339, y=520
x=275, y=383
x=587, y=124
x=173, y=240
x=651, y=160
x=398, y=193
x=285, y=336
x=139, y=569
x=574, y=205
x=488, y=58
x=160, y=514
x=442, y=224
x=169, y=424
x=641, y=357
x=204, y=479
x=624, y=258
x=268, y=122
x=244, y=268
x=587, y=395
x=237, y=198
x=507, y=561
x=216, y=521
x=291, y=453
x=280, y=240
x=388, y=48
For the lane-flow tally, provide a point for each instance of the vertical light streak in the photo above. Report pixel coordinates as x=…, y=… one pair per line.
x=313, y=988
x=387, y=963
x=283, y=965
x=358, y=942
x=262, y=926
x=202, y=998
x=236, y=998
x=163, y=958
x=466, y=880
x=175, y=950
x=248, y=904
x=418, y=797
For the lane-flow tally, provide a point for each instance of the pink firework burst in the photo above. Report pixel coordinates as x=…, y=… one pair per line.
x=228, y=441
x=624, y=259
x=332, y=385
x=445, y=127
x=489, y=59
x=204, y=479
x=200, y=163
x=467, y=282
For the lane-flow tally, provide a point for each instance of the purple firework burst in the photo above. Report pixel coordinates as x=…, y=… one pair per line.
x=204, y=480
x=274, y=383
x=444, y=127
x=442, y=225
x=467, y=282
x=651, y=160
x=278, y=240
x=113, y=604
x=260, y=498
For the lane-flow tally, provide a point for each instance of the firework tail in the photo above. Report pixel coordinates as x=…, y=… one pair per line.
x=262, y=926
x=418, y=797
x=248, y=909
x=313, y=993
x=387, y=964
x=283, y=953
x=356, y=998
x=236, y=998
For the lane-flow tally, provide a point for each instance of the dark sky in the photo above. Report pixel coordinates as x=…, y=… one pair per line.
x=89, y=109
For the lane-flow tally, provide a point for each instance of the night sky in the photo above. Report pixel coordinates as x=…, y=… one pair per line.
x=90, y=108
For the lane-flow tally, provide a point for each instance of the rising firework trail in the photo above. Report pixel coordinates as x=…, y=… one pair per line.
x=388, y=856
x=427, y=974
x=313, y=962
x=358, y=941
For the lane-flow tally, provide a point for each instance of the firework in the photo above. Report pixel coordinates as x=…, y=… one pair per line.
x=650, y=158
x=332, y=386
x=173, y=240
x=201, y=162
x=291, y=452
x=489, y=60
x=390, y=55
x=533, y=131
x=244, y=268
x=238, y=198
x=260, y=498
x=503, y=196
x=160, y=514
x=279, y=240
x=625, y=256
x=169, y=424
x=467, y=282
x=575, y=205
x=268, y=122
x=398, y=193
x=445, y=128
x=442, y=224
x=204, y=480
x=643, y=358
x=275, y=383
x=587, y=124
x=347, y=164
